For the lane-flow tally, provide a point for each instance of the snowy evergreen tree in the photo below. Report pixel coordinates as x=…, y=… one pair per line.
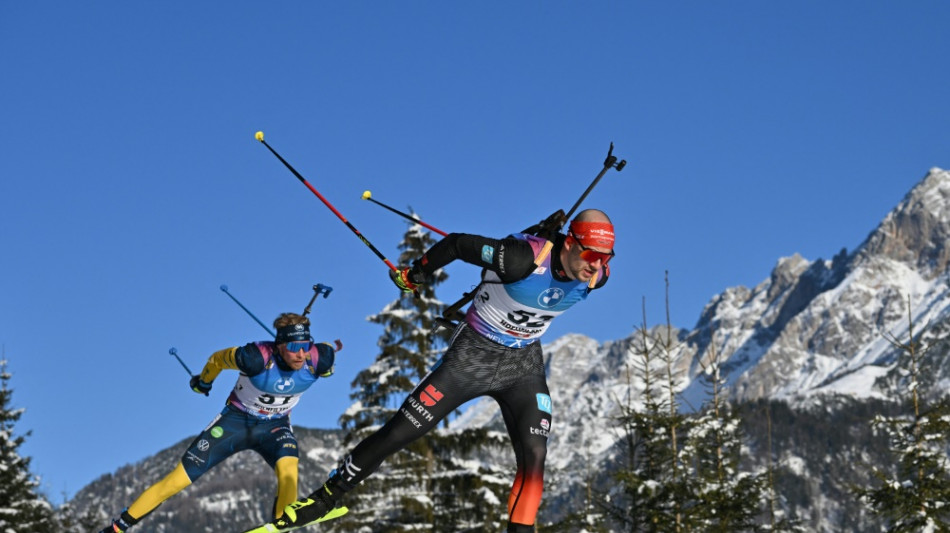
x=777, y=519
x=429, y=486
x=680, y=473
x=22, y=508
x=728, y=499
x=652, y=491
x=914, y=495
x=69, y=519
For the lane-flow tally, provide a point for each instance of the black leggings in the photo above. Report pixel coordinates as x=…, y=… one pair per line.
x=473, y=366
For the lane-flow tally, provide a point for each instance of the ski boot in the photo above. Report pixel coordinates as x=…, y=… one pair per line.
x=319, y=507
x=121, y=524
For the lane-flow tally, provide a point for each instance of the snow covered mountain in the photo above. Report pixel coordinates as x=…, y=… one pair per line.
x=819, y=326
x=811, y=332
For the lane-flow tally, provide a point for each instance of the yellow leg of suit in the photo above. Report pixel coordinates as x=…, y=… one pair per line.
x=177, y=480
x=286, y=469
x=153, y=496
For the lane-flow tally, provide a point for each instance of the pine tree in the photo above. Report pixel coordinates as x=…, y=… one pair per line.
x=22, y=508
x=652, y=487
x=70, y=520
x=588, y=516
x=681, y=473
x=914, y=495
x=728, y=499
x=428, y=486
x=777, y=519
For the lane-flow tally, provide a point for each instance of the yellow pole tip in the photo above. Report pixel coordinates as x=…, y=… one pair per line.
x=259, y=136
x=366, y=194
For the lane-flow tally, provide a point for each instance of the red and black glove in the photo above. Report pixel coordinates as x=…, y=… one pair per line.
x=404, y=279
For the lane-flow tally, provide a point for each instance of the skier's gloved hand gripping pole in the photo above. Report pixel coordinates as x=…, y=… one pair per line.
x=195, y=382
x=260, y=137
x=401, y=276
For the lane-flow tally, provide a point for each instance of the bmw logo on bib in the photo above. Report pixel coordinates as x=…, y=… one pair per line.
x=284, y=385
x=550, y=297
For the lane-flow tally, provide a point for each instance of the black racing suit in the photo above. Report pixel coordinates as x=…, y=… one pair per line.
x=511, y=372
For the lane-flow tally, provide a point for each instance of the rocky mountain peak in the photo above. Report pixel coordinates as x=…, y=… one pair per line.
x=821, y=326
x=785, y=274
x=917, y=230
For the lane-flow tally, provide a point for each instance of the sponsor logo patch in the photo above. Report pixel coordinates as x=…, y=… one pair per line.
x=541, y=432
x=350, y=470
x=430, y=396
x=488, y=252
x=284, y=385
x=194, y=459
x=550, y=297
x=217, y=431
x=544, y=403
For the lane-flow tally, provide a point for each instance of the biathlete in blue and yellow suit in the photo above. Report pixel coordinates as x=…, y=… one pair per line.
x=496, y=352
x=256, y=416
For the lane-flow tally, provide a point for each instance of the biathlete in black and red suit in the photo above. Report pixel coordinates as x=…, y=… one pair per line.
x=494, y=352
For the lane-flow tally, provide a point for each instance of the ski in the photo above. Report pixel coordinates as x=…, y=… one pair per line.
x=271, y=528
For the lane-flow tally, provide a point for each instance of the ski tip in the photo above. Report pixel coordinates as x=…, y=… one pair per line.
x=259, y=136
x=271, y=528
x=266, y=528
x=335, y=513
x=367, y=195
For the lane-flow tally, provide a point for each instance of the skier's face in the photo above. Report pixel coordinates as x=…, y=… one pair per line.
x=295, y=359
x=581, y=263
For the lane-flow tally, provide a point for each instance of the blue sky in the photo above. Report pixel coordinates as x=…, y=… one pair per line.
x=132, y=187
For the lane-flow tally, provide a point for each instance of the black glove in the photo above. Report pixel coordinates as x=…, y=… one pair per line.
x=199, y=386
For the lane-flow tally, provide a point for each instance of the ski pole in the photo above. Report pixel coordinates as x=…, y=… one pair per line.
x=260, y=137
x=224, y=289
x=317, y=290
x=610, y=162
x=174, y=352
x=369, y=196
